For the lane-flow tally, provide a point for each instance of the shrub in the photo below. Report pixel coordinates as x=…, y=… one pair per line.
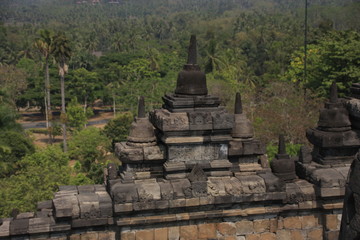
x=118, y=128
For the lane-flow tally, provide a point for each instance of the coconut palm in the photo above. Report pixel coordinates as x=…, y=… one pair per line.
x=62, y=52
x=44, y=45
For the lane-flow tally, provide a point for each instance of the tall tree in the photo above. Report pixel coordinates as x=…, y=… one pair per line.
x=44, y=45
x=62, y=53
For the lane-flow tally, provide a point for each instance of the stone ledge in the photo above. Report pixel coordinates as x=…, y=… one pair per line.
x=131, y=221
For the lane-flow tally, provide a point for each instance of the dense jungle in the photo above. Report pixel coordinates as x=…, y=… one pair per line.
x=69, y=59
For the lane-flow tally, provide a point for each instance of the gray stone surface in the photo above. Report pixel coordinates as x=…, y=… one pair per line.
x=197, y=153
x=166, y=189
x=122, y=193
x=200, y=121
x=39, y=225
x=181, y=187
x=5, y=227
x=19, y=226
x=66, y=206
x=148, y=191
x=166, y=121
x=252, y=184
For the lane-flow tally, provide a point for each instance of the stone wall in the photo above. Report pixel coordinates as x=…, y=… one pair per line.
x=305, y=220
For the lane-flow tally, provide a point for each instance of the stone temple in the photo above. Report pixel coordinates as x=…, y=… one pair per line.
x=192, y=170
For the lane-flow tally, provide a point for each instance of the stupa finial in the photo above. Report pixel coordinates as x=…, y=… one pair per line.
x=333, y=93
x=238, y=104
x=141, y=107
x=282, y=148
x=192, y=52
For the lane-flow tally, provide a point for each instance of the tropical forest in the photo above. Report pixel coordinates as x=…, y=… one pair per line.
x=72, y=71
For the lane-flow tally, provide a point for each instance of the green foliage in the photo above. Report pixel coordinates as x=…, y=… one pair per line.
x=83, y=85
x=291, y=149
x=283, y=108
x=117, y=129
x=40, y=175
x=76, y=115
x=13, y=147
x=80, y=179
x=13, y=81
x=335, y=56
x=89, y=147
x=8, y=114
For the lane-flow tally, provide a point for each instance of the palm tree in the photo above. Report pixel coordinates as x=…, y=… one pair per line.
x=44, y=45
x=62, y=53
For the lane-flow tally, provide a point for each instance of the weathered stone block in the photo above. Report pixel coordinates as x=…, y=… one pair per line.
x=189, y=232
x=262, y=225
x=144, y=234
x=154, y=152
x=89, y=236
x=160, y=233
x=315, y=234
x=197, y=153
x=273, y=183
x=207, y=231
x=216, y=187
x=124, y=192
x=182, y=188
x=77, y=223
x=166, y=121
x=126, y=207
x=39, y=225
x=174, y=233
x=333, y=235
x=235, y=189
x=141, y=206
x=267, y=236
x=226, y=228
x=222, y=120
x=89, y=205
x=162, y=204
x=107, y=236
x=309, y=222
x=327, y=177
x=283, y=235
x=127, y=235
x=127, y=153
x=75, y=237
x=86, y=189
x=200, y=120
x=148, y=191
x=66, y=206
x=252, y=184
x=297, y=235
x=292, y=222
x=244, y=227
x=19, y=226
x=25, y=215
x=253, y=237
x=199, y=188
x=176, y=203
x=236, y=148
x=5, y=227
x=166, y=190
x=331, y=222
x=58, y=227
x=253, y=147
x=45, y=205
